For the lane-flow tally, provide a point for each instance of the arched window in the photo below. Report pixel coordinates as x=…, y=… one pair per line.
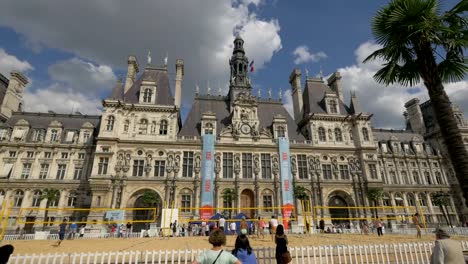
x=322, y=135
x=36, y=201
x=365, y=134
x=422, y=199
x=428, y=177
x=163, y=128
x=410, y=199
x=19, y=195
x=281, y=132
x=110, y=123
x=338, y=135
x=143, y=126
x=416, y=177
x=438, y=177
x=126, y=125
x=71, y=199
x=386, y=199
x=209, y=128
x=147, y=94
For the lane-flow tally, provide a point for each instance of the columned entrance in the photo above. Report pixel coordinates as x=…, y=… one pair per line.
x=247, y=201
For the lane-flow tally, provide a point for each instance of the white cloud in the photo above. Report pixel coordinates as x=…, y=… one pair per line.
x=52, y=98
x=387, y=102
x=200, y=32
x=9, y=63
x=77, y=85
x=303, y=55
x=83, y=76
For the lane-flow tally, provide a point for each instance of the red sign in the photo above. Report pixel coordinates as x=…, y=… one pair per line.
x=206, y=212
x=285, y=156
x=208, y=155
x=207, y=185
x=286, y=185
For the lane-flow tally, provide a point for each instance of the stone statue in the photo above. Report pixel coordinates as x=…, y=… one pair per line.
x=293, y=163
x=127, y=159
x=177, y=161
x=148, y=160
x=237, y=163
x=275, y=164
x=311, y=164
x=218, y=163
x=170, y=161
x=317, y=164
x=256, y=162
x=197, y=162
x=149, y=57
x=120, y=159
x=335, y=164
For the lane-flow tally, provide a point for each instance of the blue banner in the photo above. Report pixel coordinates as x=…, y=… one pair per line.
x=286, y=179
x=207, y=203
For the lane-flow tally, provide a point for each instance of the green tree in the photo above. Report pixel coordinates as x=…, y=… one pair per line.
x=419, y=42
x=229, y=195
x=150, y=199
x=442, y=200
x=374, y=194
x=52, y=196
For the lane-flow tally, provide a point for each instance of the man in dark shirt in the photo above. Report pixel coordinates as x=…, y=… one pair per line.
x=62, y=229
x=129, y=229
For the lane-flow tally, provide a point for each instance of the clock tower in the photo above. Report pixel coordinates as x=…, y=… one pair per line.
x=239, y=81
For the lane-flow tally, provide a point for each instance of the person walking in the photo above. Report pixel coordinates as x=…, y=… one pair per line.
x=232, y=228
x=244, y=227
x=273, y=226
x=322, y=226
x=446, y=250
x=62, y=230
x=129, y=229
x=216, y=255
x=82, y=231
x=281, y=241
x=222, y=223
x=378, y=225
x=261, y=227
x=417, y=225
x=242, y=250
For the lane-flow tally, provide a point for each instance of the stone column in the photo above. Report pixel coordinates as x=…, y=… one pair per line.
x=429, y=206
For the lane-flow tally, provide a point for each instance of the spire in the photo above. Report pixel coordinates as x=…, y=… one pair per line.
x=321, y=73
x=165, y=59
x=280, y=94
x=208, y=89
x=197, y=88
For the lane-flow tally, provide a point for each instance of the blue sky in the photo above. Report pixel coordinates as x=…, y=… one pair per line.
x=73, y=52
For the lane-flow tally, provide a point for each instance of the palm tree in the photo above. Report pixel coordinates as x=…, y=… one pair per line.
x=442, y=200
x=229, y=195
x=418, y=42
x=150, y=199
x=374, y=194
x=52, y=196
x=300, y=193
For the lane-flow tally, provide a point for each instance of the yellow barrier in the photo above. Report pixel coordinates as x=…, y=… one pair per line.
x=21, y=221
x=397, y=211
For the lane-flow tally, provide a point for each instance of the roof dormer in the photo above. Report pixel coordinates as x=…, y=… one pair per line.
x=147, y=92
x=331, y=102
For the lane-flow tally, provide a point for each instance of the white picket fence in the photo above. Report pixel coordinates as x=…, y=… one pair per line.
x=404, y=253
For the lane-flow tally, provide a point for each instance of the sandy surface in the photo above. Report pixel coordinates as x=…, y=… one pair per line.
x=141, y=244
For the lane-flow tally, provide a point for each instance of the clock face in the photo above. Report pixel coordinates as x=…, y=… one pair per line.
x=245, y=129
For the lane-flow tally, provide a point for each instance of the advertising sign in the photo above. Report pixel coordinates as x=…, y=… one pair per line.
x=286, y=180
x=206, y=210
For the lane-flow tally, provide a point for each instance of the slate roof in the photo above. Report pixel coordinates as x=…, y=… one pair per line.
x=3, y=87
x=402, y=135
x=42, y=121
x=313, y=97
x=155, y=74
x=117, y=91
x=219, y=105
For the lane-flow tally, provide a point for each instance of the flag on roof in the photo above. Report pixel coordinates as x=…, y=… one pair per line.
x=251, y=66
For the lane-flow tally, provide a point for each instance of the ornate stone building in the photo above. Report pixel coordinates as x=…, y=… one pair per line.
x=139, y=143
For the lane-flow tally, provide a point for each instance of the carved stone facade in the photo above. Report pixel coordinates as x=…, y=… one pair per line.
x=139, y=143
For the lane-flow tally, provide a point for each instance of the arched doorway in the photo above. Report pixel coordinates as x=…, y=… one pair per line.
x=247, y=201
x=150, y=199
x=341, y=212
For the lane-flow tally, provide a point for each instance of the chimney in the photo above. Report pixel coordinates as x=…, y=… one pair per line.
x=415, y=117
x=335, y=84
x=131, y=73
x=178, y=81
x=295, y=81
